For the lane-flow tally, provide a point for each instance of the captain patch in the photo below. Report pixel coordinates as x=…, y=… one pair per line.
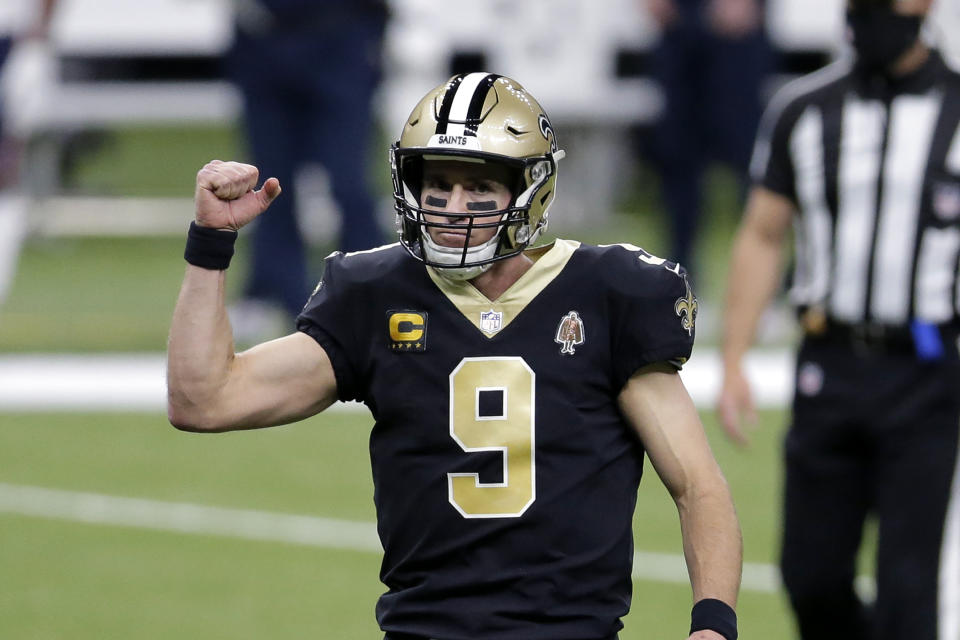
x=407, y=331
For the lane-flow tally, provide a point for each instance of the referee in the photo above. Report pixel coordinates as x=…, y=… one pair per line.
x=862, y=160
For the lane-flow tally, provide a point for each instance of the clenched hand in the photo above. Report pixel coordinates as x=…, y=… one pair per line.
x=226, y=197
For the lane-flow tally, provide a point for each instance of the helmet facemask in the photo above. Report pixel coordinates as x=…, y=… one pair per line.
x=502, y=126
x=514, y=229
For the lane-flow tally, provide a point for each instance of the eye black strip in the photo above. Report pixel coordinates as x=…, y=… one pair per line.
x=485, y=205
x=447, y=104
x=475, y=110
x=437, y=202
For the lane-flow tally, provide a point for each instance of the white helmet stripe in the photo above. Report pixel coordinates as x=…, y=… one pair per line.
x=462, y=99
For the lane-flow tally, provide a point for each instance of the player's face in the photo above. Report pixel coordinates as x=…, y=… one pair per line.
x=912, y=7
x=902, y=7
x=458, y=191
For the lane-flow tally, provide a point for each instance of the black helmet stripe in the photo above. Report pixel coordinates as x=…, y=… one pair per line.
x=476, y=104
x=444, y=115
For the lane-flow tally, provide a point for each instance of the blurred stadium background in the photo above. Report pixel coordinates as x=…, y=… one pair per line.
x=112, y=524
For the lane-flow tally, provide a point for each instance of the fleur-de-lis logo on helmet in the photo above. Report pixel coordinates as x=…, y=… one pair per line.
x=547, y=130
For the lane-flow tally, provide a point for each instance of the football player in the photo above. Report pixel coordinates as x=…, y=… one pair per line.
x=505, y=461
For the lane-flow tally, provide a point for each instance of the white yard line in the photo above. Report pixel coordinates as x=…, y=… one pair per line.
x=137, y=382
x=264, y=526
x=183, y=517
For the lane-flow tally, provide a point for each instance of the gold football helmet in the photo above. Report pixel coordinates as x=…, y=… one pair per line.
x=476, y=117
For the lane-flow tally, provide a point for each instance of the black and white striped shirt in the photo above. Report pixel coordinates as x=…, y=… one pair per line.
x=874, y=170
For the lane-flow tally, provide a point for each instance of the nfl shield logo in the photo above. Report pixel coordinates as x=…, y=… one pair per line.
x=946, y=200
x=491, y=321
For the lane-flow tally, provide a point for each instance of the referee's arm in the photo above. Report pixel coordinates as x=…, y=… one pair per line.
x=756, y=268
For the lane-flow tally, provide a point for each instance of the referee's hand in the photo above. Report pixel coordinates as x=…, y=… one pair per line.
x=226, y=198
x=735, y=405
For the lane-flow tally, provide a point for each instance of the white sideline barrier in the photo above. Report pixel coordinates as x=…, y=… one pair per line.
x=547, y=43
x=564, y=51
x=136, y=382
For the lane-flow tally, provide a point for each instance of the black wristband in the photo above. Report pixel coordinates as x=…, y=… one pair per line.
x=715, y=615
x=209, y=248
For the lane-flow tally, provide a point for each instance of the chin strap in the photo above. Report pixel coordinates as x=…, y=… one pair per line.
x=459, y=274
x=441, y=256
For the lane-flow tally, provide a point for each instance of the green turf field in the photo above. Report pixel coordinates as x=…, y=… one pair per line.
x=68, y=579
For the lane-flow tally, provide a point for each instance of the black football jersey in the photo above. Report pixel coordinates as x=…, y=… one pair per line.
x=505, y=478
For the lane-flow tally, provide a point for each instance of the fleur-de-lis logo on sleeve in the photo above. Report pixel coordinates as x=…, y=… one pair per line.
x=686, y=309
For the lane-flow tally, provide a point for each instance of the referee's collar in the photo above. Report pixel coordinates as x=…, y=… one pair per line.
x=919, y=81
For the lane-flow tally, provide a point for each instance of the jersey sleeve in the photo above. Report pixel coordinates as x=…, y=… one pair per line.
x=772, y=165
x=654, y=314
x=326, y=319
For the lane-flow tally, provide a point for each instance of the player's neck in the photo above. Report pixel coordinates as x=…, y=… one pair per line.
x=911, y=60
x=501, y=276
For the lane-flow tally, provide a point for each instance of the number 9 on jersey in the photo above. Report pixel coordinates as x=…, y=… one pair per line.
x=492, y=409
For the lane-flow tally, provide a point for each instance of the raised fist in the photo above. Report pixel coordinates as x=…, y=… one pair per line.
x=226, y=197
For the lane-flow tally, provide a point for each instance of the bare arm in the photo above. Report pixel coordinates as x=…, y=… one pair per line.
x=655, y=402
x=209, y=387
x=756, y=268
